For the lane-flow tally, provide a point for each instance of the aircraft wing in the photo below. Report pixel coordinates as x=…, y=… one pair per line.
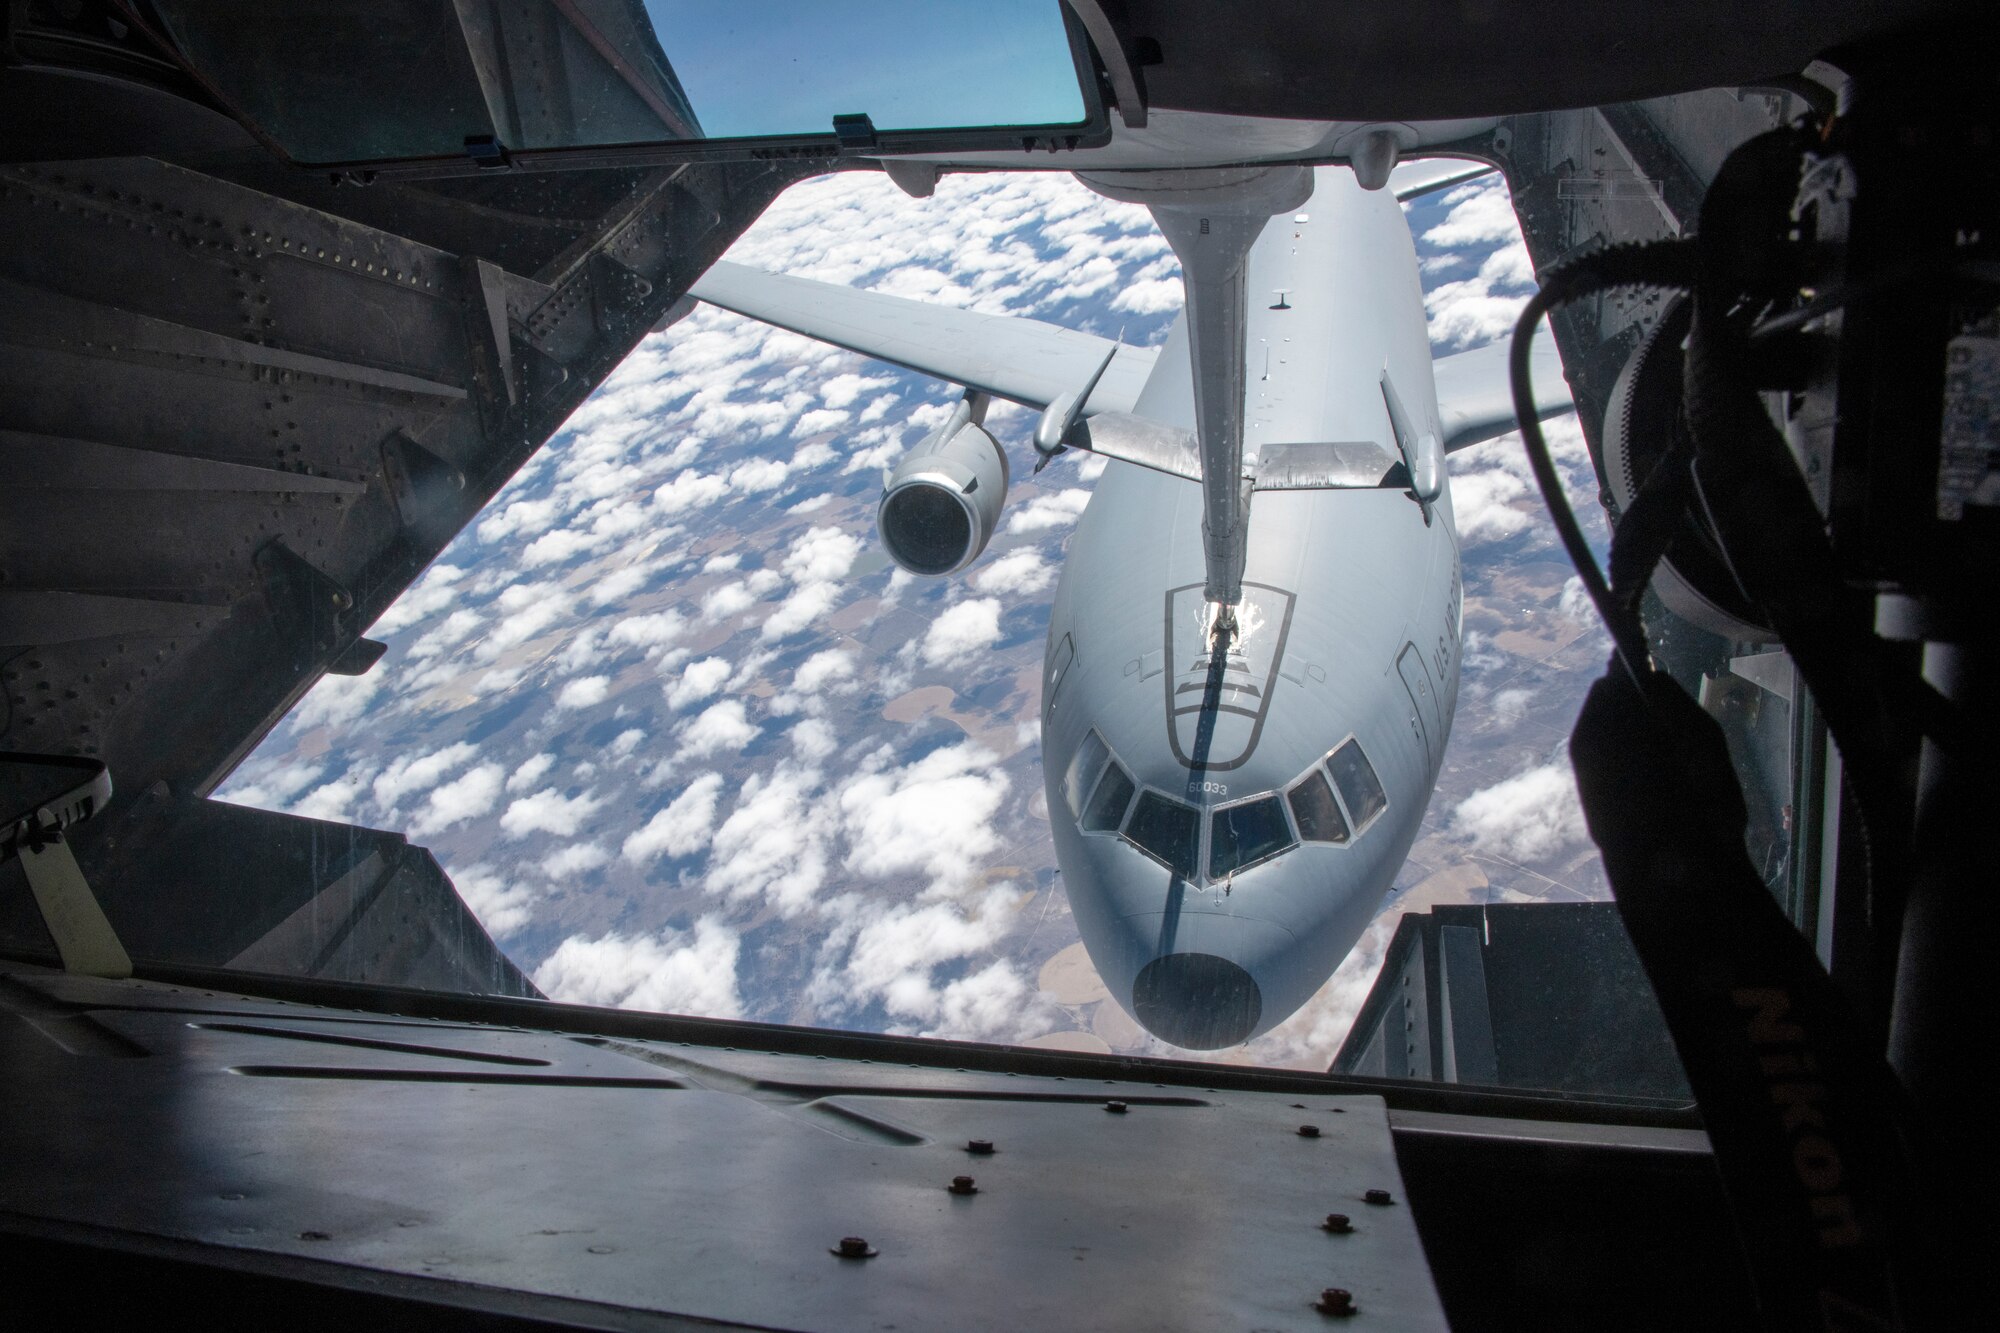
x=1475, y=401
x=1022, y=360
x=1411, y=180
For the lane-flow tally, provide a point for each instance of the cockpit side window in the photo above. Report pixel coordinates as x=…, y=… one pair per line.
x=1107, y=807
x=1314, y=809
x=1084, y=766
x=1166, y=830
x=1359, y=786
x=1242, y=835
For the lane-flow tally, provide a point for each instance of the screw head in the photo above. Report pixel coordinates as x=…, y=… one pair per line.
x=980, y=1147
x=855, y=1247
x=1378, y=1197
x=1116, y=1108
x=962, y=1185
x=1338, y=1223
x=1308, y=1131
x=1336, y=1301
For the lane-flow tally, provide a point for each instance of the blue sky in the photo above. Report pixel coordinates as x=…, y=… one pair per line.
x=773, y=67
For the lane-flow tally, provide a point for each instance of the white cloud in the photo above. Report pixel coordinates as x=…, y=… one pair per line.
x=1023, y=571
x=273, y=785
x=455, y=629
x=467, y=797
x=530, y=772
x=680, y=972
x=774, y=843
x=527, y=610
x=760, y=474
x=548, y=811
x=722, y=726
x=690, y=490
x=501, y=907
x=1049, y=511
x=698, y=681
x=584, y=692
x=405, y=777
x=681, y=827
x=933, y=816
x=430, y=594
x=823, y=671
x=650, y=632
x=1483, y=505
x=1529, y=817
x=335, y=800
x=812, y=739
x=799, y=611
x=727, y=600
x=579, y=858
x=821, y=554
x=335, y=702
x=963, y=632
x=842, y=390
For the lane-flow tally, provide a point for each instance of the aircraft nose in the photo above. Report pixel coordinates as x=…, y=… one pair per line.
x=1197, y=1000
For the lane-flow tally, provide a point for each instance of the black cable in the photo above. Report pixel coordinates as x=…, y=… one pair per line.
x=1667, y=264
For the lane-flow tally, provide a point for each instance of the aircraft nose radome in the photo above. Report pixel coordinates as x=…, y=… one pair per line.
x=1197, y=1000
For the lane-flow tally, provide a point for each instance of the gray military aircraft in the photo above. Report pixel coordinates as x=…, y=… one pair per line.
x=1242, y=722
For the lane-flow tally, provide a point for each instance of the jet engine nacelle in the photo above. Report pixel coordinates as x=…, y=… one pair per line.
x=942, y=502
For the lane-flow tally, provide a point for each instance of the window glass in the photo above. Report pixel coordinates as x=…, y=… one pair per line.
x=1359, y=786
x=1246, y=833
x=420, y=78
x=1084, y=766
x=1317, y=814
x=1167, y=830
x=1107, y=807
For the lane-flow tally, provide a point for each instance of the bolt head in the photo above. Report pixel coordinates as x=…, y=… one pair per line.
x=1338, y=1223
x=963, y=1185
x=855, y=1247
x=979, y=1147
x=1336, y=1301
x=1116, y=1108
x=1378, y=1197
x=1308, y=1131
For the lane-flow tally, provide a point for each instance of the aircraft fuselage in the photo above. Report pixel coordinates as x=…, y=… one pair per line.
x=1347, y=641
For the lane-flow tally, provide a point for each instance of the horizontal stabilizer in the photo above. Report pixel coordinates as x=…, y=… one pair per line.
x=1342, y=465
x=1022, y=360
x=1131, y=439
x=1476, y=401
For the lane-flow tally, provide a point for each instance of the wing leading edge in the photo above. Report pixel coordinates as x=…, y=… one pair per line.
x=1022, y=360
x=1029, y=362
x=1476, y=401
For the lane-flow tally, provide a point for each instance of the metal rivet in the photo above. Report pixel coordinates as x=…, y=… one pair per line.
x=1338, y=1223
x=1336, y=1301
x=1308, y=1131
x=601, y=1249
x=1116, y=1108
x=855, y=1247
x=314, y=1235
x=980, y=1147
x=962, y=1185
x=1378, y=1197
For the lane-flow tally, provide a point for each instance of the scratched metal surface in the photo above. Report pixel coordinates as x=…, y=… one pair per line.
x=688, y=1179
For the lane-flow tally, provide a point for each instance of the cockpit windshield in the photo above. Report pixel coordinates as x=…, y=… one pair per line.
x=1242, y=835
x=1237, y=836
x=1167, y=831
x=1359, y=787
